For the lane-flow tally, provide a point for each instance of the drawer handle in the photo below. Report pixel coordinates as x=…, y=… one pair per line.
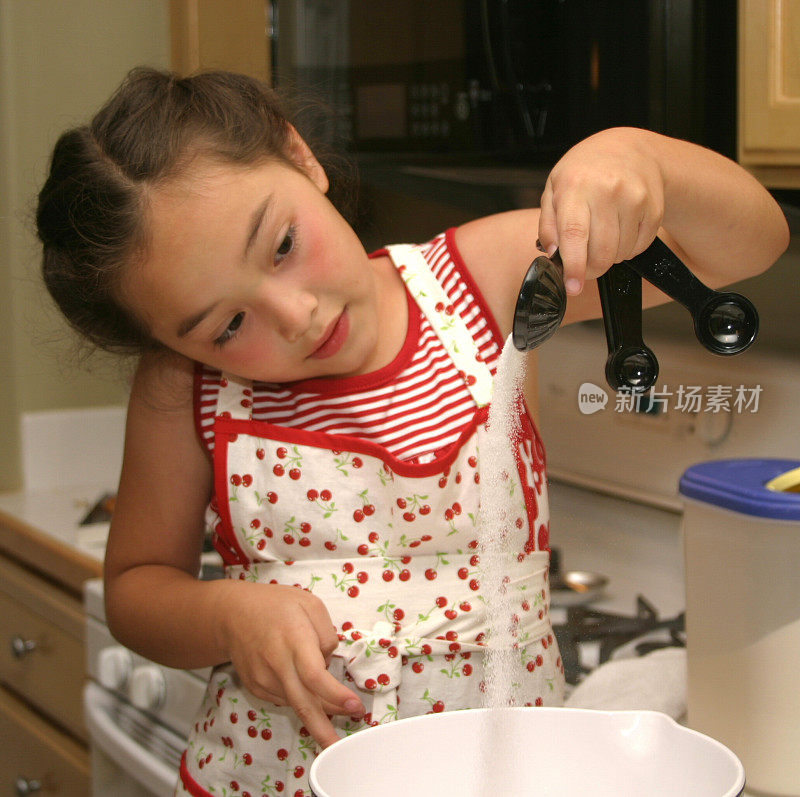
x=24, y=786
x=22, y=647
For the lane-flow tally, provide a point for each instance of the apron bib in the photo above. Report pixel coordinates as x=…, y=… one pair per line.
x=390, y=547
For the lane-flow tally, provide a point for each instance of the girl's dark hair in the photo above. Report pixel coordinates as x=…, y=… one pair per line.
x=91, y=211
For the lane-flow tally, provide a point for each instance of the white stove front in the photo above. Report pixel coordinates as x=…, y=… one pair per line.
x=138, y=713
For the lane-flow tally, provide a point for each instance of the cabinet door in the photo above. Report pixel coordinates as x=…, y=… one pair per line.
x=42, y=646
x=769, y=90
x=33, y=752
x=208, y=34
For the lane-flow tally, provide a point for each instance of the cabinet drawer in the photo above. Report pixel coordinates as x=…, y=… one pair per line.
x=46, y=628
x=32, y=750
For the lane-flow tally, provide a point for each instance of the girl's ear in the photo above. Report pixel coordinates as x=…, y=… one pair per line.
x=302, y=156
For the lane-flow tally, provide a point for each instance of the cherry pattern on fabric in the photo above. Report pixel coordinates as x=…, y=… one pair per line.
x=390, y=548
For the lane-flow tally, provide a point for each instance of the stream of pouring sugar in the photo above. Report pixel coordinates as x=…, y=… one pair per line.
x=502, y=662
x=495, y=527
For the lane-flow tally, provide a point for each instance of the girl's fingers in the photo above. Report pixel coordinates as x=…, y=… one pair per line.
x=316, y=678
x=280, y=700
x=273, y=697
x=573, y=223
x=646, y=232
x=604, y=241
x=548, y=232
x=310, y=711
x=289, y=668
x=305, y=665
x=330, y=708
x=324, y=629
x=629, y=234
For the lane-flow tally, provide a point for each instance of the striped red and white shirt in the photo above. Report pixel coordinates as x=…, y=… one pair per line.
x=416, y=407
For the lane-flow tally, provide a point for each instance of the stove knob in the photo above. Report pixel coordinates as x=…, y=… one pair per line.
x=27, y=786
x=114, y=667
x=148, y=687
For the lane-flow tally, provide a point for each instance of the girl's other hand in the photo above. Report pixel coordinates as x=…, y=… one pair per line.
x=281, y=640
x=603, y=203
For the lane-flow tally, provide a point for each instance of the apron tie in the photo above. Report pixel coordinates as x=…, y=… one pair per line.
x=374, y=658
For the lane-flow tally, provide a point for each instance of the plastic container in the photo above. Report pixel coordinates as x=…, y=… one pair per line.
x=742, y=557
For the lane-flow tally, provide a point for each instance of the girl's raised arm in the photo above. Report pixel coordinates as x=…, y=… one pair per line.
x=606, y=200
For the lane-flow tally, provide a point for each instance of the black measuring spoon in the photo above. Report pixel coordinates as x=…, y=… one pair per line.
x=724, y=322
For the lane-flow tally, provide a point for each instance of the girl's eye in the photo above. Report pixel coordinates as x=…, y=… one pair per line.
x=230, y=330
x=287, y=244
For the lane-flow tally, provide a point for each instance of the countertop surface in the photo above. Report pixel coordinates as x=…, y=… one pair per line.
x=58, y=514
x=43, y=530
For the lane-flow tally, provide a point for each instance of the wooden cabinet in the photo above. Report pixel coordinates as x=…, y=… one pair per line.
x=209, y=34
x=769, y=90
x=35, y=758
x=42, y=664
x=43, y=659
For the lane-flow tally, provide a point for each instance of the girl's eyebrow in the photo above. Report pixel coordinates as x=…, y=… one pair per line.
x=188, y=324
x=255, y=223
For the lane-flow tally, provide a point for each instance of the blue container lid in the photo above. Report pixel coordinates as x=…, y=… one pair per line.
x=738, y=485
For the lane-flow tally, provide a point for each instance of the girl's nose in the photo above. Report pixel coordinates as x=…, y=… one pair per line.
x=293, y=312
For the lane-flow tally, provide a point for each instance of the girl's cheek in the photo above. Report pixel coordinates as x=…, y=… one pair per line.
x=317, y=256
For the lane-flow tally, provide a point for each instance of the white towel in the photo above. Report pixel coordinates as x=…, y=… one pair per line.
x=655, y=682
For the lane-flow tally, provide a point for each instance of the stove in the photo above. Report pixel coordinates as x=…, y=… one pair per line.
x=138, y=713
x=590, y=637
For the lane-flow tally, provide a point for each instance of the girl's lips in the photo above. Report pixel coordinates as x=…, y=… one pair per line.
x=334, y=338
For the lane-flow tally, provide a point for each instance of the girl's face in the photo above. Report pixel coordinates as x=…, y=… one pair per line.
x=251, y=270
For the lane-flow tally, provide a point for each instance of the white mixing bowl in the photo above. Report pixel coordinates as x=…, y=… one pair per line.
x=528, y=751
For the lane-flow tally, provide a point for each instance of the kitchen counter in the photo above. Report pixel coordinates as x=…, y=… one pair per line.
x=42, y=530
x=69, y=460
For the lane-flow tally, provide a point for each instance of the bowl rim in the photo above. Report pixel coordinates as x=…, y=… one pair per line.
x=736, y=789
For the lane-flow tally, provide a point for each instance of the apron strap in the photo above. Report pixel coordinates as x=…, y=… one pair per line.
x=449, y=327
x=235, y=398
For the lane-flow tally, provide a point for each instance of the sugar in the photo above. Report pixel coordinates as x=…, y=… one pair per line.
x=502, y=662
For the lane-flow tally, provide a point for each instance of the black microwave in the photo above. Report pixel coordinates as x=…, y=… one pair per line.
x=509, y=79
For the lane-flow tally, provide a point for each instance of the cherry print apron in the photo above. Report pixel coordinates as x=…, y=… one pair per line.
x=390, y=547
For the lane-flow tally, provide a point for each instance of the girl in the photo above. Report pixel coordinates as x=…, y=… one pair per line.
x=320, y=409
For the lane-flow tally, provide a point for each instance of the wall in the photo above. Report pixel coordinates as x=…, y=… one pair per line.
x=59, y=61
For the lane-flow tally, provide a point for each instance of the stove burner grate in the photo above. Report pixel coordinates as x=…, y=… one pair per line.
x=613, y=631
